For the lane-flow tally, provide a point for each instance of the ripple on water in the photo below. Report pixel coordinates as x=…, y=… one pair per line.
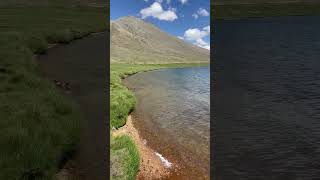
x=177, y=102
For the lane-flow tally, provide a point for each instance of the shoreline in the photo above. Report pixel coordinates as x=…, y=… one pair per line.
x=156, y=169
x=151, y=165
x=261, y=10
x=68, y=169
x=31, y=102
x=120, y=72
x=83, y=163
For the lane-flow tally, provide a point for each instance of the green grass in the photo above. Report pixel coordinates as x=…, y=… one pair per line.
x=232, y=11
x=124, y=157
x=39, y=127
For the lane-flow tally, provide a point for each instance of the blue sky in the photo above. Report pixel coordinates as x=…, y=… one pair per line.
x=186, y=19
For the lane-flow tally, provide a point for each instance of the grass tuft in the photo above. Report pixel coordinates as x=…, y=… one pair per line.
x=124, y=158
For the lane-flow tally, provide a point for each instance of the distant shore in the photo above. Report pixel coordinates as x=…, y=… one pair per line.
x=252, y=10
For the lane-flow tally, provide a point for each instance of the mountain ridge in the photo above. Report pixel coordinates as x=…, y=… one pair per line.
x=136, y=41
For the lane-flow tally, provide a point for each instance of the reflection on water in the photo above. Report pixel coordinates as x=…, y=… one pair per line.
x=267, y=99
x=175, y=103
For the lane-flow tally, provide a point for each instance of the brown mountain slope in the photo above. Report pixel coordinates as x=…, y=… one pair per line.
x=136, y=41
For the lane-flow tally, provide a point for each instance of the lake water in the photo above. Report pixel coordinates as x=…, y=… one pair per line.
x=267, y=99
x=173, y=115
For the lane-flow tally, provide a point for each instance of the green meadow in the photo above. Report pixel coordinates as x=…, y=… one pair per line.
x=39, y=126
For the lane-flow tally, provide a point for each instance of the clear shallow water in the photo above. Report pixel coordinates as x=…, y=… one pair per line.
x=267, y=99
x=173, y=113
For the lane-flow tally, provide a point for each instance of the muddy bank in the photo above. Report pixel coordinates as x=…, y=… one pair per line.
x=82, y=65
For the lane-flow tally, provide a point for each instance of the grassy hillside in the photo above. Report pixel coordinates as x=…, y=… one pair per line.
x=241, y=9
x=39, y=126
x=135, y=41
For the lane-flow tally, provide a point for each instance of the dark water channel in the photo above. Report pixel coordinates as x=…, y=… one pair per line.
x=266, y=99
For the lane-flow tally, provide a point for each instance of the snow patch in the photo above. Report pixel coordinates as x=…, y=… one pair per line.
x=164, y=161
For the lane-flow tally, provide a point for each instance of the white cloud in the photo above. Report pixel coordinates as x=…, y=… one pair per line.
x=203, y=12
x=183, y=1
x=180, y=37
x=202, y=43
x=196, y=36
x=156, y=11
x=200, y=12
x=195, y=16
x=167, y=16
x=207, y=28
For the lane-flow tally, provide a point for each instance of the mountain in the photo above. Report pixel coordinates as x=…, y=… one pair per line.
x=136, y=41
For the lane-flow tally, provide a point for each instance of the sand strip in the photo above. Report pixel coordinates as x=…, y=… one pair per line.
x=151, y=165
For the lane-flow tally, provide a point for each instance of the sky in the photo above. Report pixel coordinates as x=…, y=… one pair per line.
x=186, y=19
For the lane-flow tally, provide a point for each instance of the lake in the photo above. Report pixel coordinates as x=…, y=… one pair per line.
x=267, y=99
x=173, y=116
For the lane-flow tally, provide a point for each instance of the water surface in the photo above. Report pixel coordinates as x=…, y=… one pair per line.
x=173, y=111
x=267, y=99
x=81, y=64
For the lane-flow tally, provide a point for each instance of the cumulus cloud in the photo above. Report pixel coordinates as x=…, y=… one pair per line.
x=203, y=12
x=156, y=11
x=196, y=36
x=200, y=12
x=202, y=43
x=195, y=16
x=183, y=1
